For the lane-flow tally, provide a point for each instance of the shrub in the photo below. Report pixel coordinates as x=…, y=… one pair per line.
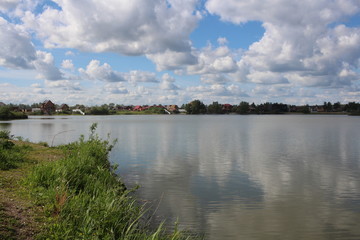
x=10, y=155
x=5, y=134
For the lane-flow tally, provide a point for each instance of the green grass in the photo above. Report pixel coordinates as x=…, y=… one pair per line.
x=84, y=199
x=10, y=154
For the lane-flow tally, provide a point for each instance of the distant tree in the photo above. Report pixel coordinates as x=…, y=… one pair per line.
x=195, y=107
x=328, y=106
x=352, y=107
x=7, y=114
x=337, y=106
x=215, y=108
x=99, y=110
x=243, y=108
x=306, y=109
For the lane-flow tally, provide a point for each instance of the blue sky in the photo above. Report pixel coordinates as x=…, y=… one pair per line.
x=175, y=51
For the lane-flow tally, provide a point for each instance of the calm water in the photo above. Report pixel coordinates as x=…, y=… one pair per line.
x=233, y=177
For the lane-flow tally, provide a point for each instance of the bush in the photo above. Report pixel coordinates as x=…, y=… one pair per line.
x=10, y=154
x=5, y=134
x=7, y=114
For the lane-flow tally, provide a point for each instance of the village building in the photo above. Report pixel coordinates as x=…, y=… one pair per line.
x=63, y=108
x=172, y=108
x=227, y=107
x=48, y=107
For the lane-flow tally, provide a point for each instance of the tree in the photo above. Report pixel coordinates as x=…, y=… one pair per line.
x=195, y=107
x=7, y=114
x=215, y=108
x=243, y=108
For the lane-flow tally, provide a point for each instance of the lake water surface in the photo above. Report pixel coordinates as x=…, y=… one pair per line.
x=232, y=177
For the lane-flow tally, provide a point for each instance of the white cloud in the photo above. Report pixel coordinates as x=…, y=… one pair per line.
x=67, y=64
x=167, y=83
x=136, y=76
x=218, y=91
x=222, y=41
x=267, y=78
x=95, y=71
x=64, y=85
x=115, y=88
x=16, y=49
x=297, y=41
x=124, y=27
x=214, y=78
x=7, y=4
x=69, y=53
x=213, y=60
x=172, y=60
x=44, y=64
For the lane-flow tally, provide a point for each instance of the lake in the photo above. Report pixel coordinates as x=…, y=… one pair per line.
x=232, y=176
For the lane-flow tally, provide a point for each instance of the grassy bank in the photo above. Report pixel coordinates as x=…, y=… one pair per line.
x=77, y=196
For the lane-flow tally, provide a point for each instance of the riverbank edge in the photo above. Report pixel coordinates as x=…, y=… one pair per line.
x=22, y=217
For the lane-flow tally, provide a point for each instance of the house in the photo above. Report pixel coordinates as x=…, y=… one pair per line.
x=137, y=108
x=172, y=108
x=36, y=110
x=63, y=108
x=2, y=104
x=227, y=107
x=48, y=107
x=182, y=111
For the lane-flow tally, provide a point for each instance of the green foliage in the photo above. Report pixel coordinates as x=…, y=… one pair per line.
x=195, y=107
x=155, y=110
x=215, y=108
x=84, y=199
x=7, y=114
x=5, y=134
x=99, y=110
x=243, y=108
x=10, y=154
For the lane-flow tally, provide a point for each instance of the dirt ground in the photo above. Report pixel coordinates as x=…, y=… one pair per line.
x=20, y=218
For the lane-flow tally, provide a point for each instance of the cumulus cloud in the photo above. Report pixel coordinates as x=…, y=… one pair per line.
x=124, y=27
x=64, y=85
x=167, y=83
x=172, y=60
x=213, y=60
x=44, y=64
x=16, y=49
x=301, y=38
x=218, y=90
x=69, y=53
x=214, y=78
x=95, y=71
x=7, y=4
x=67, y=64
x=222, y=41
x=18, y=52
x=136, y=76
x=115, y=88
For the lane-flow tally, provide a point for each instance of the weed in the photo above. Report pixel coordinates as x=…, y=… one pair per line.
x=5, y=134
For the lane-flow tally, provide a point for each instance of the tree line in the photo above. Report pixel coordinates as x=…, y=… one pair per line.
x=198, y=107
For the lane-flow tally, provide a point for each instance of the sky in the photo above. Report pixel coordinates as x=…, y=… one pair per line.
x=174, y=51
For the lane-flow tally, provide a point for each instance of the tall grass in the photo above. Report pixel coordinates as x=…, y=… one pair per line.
x=84, y=199
x=10, y=154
